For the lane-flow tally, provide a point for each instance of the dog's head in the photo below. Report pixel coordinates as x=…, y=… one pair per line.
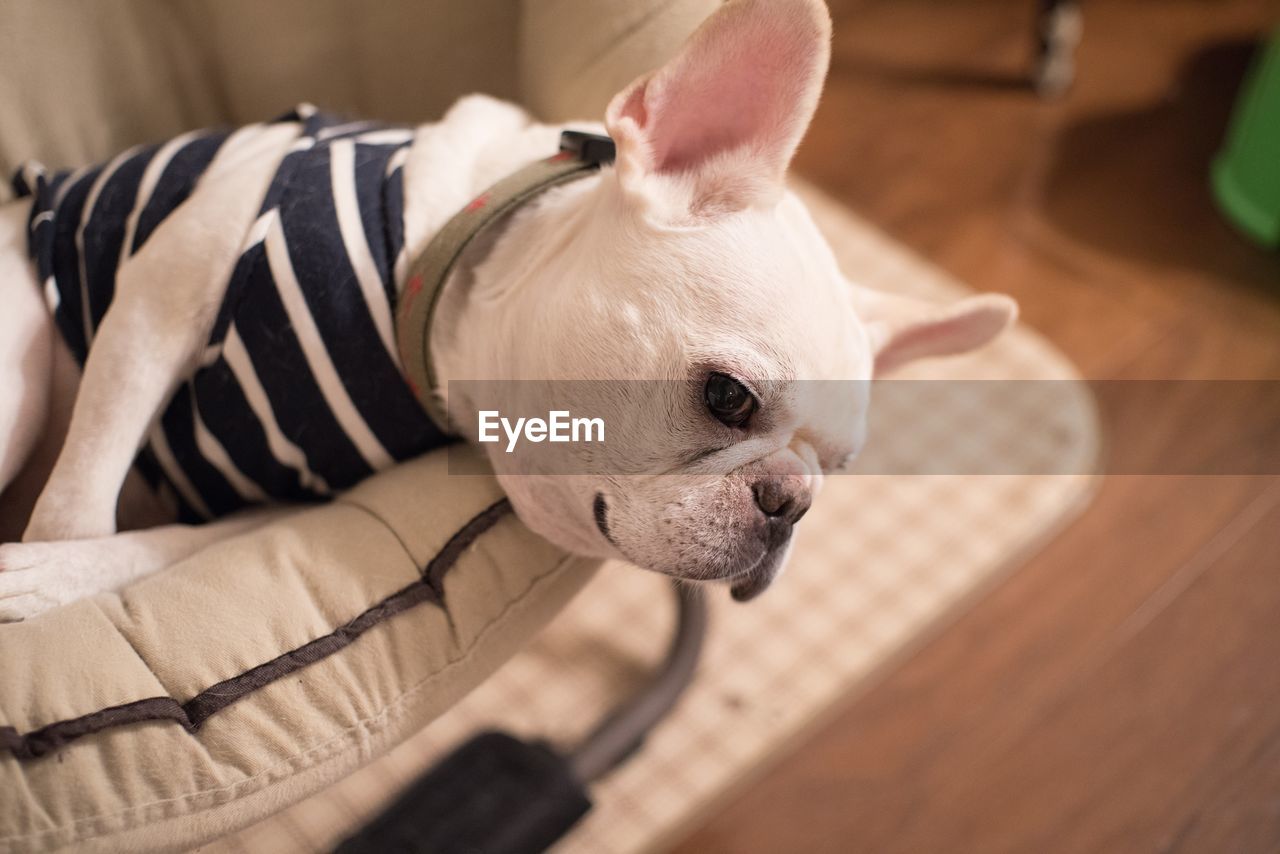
x=698, y=276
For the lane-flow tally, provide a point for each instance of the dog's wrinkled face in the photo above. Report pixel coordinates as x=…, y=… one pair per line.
x=726, y=354
x=732, y=352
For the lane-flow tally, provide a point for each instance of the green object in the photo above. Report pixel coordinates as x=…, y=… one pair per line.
x=1246, y=173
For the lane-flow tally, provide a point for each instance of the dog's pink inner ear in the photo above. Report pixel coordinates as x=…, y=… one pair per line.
x=722, y=97
x=745, y=85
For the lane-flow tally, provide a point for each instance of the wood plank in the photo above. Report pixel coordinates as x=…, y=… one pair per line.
x=1193, y=680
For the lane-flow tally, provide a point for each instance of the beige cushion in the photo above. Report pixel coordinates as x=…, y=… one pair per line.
x=266, y=604
x=78, y=82
x=81, y=81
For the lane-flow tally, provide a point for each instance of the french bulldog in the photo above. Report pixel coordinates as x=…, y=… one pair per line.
x=686, y=264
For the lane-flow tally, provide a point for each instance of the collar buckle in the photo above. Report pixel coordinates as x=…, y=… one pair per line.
x=588, y=147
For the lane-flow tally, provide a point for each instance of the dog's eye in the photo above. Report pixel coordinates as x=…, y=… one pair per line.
x=729, y=400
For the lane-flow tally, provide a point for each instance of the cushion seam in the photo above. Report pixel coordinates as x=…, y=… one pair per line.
x=385, y=712
x=192, y=720
x=346, y=501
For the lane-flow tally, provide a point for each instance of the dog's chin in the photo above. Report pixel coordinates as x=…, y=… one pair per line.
x=748, y=573
x=750, y=583
x=747, y=579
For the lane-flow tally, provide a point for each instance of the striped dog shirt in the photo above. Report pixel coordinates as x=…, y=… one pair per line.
x=299, y=392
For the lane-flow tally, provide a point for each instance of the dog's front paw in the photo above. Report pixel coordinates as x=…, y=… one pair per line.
x=36, y=577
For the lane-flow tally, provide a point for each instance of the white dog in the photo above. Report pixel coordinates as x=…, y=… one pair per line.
x=687, y=263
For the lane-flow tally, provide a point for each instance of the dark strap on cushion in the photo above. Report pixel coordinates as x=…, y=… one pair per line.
x=192, y=714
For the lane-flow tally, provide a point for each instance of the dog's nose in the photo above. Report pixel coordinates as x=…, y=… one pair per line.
x=782, y=498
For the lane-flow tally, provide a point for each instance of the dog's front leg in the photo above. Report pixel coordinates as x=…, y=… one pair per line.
x=167, y=297
x=134, y=364
x=35, y=577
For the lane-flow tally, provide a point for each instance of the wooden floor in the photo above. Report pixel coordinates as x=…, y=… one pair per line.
x=1121, y=692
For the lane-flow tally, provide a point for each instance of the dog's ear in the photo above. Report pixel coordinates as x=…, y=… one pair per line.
x=903, y=329
x=723, y=119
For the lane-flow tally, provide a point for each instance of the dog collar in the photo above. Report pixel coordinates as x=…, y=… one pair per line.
x=580, y=154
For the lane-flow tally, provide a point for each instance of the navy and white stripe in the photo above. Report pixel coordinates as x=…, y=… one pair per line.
x=300, y=392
